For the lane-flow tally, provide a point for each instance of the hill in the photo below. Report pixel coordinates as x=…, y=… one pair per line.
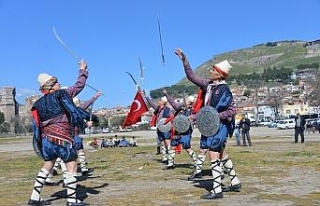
x=281, y=54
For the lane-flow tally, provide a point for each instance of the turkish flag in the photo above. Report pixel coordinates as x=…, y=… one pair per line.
x=137, y=109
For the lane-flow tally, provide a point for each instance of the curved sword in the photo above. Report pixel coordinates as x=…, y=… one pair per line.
x=69, y=50
x=141, y=71
x=135, y=82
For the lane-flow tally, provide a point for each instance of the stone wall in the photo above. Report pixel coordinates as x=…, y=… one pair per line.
x=9, y=105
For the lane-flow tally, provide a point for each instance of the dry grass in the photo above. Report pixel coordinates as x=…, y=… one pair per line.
x=271, y=172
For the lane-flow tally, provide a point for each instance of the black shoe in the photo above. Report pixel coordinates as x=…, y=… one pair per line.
x=77, y=203
x=232, y=188
x=38, y=203
x=195, y=176
x=171, y=167
x=212, y=196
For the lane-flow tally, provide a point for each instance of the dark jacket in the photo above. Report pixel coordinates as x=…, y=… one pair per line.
x=245, y=124
x=302, y=122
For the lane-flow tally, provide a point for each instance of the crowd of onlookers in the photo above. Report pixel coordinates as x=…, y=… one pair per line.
x=113, y=142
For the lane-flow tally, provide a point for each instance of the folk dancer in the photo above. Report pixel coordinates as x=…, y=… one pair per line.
x=54, y=132
x=217, y=94
x=78, y=140
x=181, y=138
x=162, y=111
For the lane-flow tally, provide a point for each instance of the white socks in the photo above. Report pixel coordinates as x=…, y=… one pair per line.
x=40, y=180
x=216, y=174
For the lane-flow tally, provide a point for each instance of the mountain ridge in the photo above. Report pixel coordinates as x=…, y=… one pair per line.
x=279, y=54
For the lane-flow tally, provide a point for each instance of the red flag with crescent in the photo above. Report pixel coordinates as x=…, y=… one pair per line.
x=137, y=109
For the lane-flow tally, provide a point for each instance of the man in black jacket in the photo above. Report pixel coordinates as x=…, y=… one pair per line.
x=245, y=128
x=299, y=128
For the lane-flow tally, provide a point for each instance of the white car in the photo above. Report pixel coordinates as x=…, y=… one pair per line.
x=286, y=124
x=265, y=123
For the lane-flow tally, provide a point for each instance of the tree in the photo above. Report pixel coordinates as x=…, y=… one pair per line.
x=117, y=121
x=103, y=122
x=4, y=127
x=2, y=117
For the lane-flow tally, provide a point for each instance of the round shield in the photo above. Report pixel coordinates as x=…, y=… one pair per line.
x=181, y=123
x=163, y=127
x=208, y=121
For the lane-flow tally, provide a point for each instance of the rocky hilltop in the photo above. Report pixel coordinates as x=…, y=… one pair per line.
x=269, y=55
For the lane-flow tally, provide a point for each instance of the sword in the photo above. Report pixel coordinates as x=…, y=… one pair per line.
x=94, y=89
x=134, y=81
x=69, y=50
x=141, y=71
x=159, y=29
x=90, y=118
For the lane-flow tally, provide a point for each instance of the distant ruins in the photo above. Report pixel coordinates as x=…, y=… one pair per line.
x=9, y=105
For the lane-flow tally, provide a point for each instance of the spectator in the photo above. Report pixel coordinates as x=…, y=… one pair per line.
x=299, y=128
x=309, y=127
x=245, y=130
x=110, y=143
x=103, y=143
x=237, y=134
x=116, y=141
x=133, y=142
x=124, y=142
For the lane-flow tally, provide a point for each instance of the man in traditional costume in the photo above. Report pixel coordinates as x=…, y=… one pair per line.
x=162, y=112
x=55, y=117
x=215, y=93
x=183, y=138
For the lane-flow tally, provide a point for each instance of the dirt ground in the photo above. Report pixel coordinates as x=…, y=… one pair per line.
x=274, y=171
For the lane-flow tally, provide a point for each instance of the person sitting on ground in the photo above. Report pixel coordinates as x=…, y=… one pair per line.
x=110, y=143
x=103, y=143
x=116, y=141
x=133, y=142
x=124, y=142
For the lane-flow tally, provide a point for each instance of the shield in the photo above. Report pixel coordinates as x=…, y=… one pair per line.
x=181, y=123
x=163, y=127
x=208, y=121
x=37, y=146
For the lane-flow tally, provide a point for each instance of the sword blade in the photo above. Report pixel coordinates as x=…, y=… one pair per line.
x=159, y=29
x=69, y=50
x=93, y=88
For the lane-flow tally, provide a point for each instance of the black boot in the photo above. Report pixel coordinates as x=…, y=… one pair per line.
x=232, y=188
x=212, y=196
x=38, y=203
x=158, y=151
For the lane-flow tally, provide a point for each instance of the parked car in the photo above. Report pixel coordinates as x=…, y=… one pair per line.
x=286, y=124
x=265, y=123
x=254, y=123
x=273, y=124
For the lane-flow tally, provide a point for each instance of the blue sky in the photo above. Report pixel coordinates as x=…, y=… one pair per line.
x=112, y=35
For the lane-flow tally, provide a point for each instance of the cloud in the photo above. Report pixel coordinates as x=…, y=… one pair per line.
x=21, y=94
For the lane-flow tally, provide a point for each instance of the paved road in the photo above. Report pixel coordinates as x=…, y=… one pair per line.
x=257, y=134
